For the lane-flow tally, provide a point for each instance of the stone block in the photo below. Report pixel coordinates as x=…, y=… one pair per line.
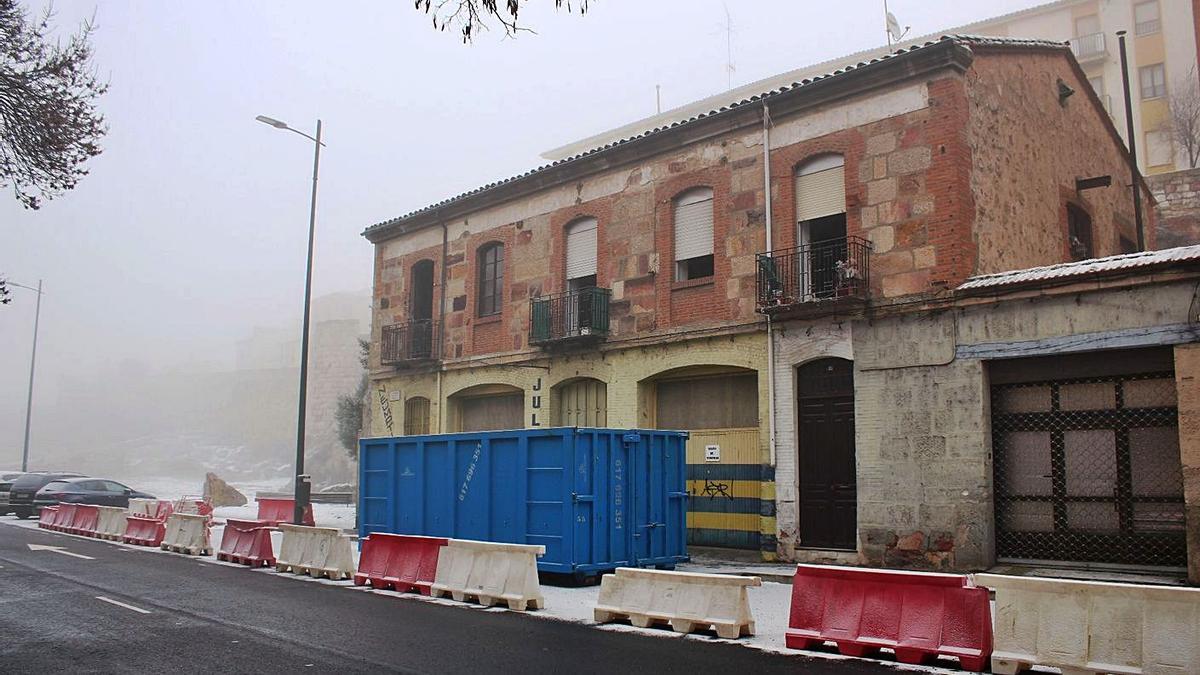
x=882, y=238
x=909, y=160
x=881, y=143
x=924, y=257
x=879, y=191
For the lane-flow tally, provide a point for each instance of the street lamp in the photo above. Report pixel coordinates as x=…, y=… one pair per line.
x=37, y=315
x=302, y=486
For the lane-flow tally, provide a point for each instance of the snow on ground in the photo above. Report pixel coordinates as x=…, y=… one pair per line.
x=769, y=604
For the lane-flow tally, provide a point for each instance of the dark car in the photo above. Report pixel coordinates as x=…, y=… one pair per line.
x=20, y=498
x=6, y=481
x=98, y=491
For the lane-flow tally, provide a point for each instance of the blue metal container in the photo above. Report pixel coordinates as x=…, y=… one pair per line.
x=597, y=499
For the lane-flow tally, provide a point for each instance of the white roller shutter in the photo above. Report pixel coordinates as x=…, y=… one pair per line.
x=694, y=224
x=581, y=248
x=821, y=188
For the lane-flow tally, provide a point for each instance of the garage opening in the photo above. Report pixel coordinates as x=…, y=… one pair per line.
x=719, y=406
x=1086, y=460
x=488, y=407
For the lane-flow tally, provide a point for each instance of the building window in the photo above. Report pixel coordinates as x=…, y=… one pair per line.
x=821, y=226
x=416, y=416
x=694, y=234
x=1153, y=80
x=491, y=279
x=1158, y=148
x=1145, y=18
x=1079, y=232
x=581, y=254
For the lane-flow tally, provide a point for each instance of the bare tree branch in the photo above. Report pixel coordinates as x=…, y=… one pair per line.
x=49, y=125
x=469, y=17
x=1182, y=123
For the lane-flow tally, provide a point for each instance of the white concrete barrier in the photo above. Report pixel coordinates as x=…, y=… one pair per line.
x=490, y=573
x=111, y=522
x=148, y=508
x=686, y=600
x=186, y=533
x=315, y=551
x=1090, y=626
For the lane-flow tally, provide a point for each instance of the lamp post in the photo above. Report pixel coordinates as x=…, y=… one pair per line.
x=37, y=315
x=302, y=485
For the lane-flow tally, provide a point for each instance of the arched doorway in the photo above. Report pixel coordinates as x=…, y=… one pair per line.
x=581, y=403
x=826, y=456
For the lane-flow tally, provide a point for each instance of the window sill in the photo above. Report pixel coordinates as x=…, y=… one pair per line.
x=693, y=283
x=491, y=318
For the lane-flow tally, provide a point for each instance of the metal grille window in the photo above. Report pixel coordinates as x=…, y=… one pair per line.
x=1088, y=470
x=1153, y=80
x=416, y=416
x=491, y=279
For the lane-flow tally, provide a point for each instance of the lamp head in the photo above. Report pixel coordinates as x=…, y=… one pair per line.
x=273, y=122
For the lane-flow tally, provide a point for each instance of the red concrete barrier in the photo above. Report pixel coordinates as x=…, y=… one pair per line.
x=281, y=510
x=397, y=561
x=87, y=520
x=65, y=517
x=247, y=542
x=143, y=531
x=46, y=517
x=918, y=615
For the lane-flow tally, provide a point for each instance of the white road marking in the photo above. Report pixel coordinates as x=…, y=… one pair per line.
x=58, y=549
x=121, y=604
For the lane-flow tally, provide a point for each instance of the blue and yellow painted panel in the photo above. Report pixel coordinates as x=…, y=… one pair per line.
x=732, y=491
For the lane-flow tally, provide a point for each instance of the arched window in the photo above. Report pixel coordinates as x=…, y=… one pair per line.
x=820, y=224
x=694, y=234
x=491, y=280
x=416, y=416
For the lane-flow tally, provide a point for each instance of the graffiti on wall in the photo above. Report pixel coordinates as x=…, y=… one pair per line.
x=386, y=408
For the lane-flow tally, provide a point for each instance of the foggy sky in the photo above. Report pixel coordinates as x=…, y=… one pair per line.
x=191, y=228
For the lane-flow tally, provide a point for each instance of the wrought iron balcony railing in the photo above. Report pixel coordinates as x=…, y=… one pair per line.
x=1088, y=47
x=826, y=270
x=412, y=342
x=574, y=315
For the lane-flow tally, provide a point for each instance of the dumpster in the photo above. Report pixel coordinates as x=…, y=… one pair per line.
x=597, y=499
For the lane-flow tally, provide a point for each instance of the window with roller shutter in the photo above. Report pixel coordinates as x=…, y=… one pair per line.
x=581, y=249
x=694, y=234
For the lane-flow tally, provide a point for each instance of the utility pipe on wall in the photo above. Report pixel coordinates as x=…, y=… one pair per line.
x=766, y=143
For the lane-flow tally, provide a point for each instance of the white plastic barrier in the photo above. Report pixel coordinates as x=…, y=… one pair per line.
x=111, y=522
x=686, y=600
x=1089, y=626
x=489, y=572
x=148, y=508
x=186, y=533
x=315, y=551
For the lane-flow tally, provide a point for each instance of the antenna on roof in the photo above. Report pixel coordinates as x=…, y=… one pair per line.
x=657, y=98
x=728, y=48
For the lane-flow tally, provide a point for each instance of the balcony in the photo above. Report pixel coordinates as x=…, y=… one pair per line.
x=411, y=343
x=825, y=275
x=1089, y=47
x=569, y=318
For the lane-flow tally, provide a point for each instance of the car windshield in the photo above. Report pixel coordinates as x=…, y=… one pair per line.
x=55, y=486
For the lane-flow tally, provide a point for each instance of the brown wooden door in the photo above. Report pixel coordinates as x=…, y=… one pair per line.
x=828, y=483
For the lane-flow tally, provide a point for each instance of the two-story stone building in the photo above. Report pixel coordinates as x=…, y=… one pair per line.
x=726, y=275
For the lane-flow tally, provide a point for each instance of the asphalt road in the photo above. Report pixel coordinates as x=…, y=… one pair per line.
x=203, y=617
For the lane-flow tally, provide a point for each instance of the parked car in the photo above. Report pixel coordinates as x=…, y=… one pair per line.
x=6, y=481
x=86, y=491
x=25, y=488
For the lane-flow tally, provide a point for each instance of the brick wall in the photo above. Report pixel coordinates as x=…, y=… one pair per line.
x=1027, y=149
x=1178, y=208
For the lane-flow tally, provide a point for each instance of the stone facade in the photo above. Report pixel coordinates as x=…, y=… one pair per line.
x=1178, y=207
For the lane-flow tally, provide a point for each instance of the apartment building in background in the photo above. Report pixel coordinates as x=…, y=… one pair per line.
x=1162, y=47
x=818, y=284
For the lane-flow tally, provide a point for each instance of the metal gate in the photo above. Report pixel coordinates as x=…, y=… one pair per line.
x=1088, y=471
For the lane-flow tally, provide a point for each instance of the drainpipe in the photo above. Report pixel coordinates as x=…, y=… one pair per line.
x=441, y=426
x=766, y=142
x=1135, y=174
